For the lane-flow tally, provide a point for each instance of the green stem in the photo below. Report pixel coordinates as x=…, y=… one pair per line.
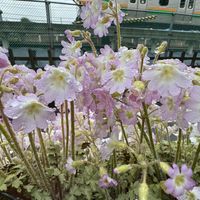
x=117, y=27
x=16, y=146
x=63, y=130
x=151, y=139
x=156, y=58
x=144, y=134
x=141, y=68
x=43, y=148
x=149, y=131
x=67, y=127
x=142, y=131
x=178, y=145
x=72, y=130
x=5, y=150
x=196, y=157
x=124, y=133
x=32, y=143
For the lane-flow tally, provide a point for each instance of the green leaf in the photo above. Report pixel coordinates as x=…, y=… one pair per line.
x=3, y=187
x=56, y=172
x=29, y=188
x=16, y=183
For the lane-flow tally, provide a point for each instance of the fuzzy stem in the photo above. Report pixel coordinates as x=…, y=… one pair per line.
x=151, y=138
x=149, y=131
x=142, y=131
x=117, y=27
x=29, y=168
x=72, y=130
x=141, y=68
x=144, y=134
x=63, y=130
x=196, y=157
x=124, y=133
x=156, y=58
x=178, y=146
x=44, y=179
x=67, y=127
x=43, y=148
x=7, y=153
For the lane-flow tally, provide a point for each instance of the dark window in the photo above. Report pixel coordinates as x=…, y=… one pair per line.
x=191, y=4
x=164, y=2
x=142, y=1
x=132, y=1
x=182, y=3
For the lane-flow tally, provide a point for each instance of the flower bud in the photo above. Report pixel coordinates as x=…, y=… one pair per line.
x=78, y=44
x=75, y=33
x=4, y=88
x=14, y=80
x=143, y=191
x=195, y=82
x=165, y=167
x=197, y=73
x=105, y=20
x=13, y=70
x=122, y=169
x=144, y=52
x=140, y=47
x=161, y=49
x=104, y=6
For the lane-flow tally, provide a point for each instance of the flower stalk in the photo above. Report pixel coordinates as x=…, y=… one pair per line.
x=43, y=148
x=196, y=157
x=178, y=150
x=67, y=128
x=72, y=130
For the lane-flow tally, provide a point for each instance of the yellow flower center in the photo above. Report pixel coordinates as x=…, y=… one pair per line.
x=118, y=75
x=58, y=78
x=167, y=72
x=129, y=114
x=179, y=180
x=33, y=108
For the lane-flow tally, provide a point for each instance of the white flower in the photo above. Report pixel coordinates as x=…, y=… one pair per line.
x=58, y=85
x=194, y=194
x=28, y=113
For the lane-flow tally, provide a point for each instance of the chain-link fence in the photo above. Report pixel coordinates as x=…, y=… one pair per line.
x=33, y=30
x=35, y=24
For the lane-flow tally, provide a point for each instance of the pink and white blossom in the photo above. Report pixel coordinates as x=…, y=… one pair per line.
x=27, y=113
x=57, y=84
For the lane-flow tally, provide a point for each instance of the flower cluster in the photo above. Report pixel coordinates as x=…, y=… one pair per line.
x=102, y=120
x=99, y=16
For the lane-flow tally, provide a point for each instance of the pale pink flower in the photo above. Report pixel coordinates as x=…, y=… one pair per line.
x=106, y=182
x=117, y=80
x=71, y=49
x=167, y=79
x=179, y=181
x=27, y=113
x=4, y=61
x=57, y=84
x=101, y=27
x=128, y=115
x=193, y=105
x=90, y=13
